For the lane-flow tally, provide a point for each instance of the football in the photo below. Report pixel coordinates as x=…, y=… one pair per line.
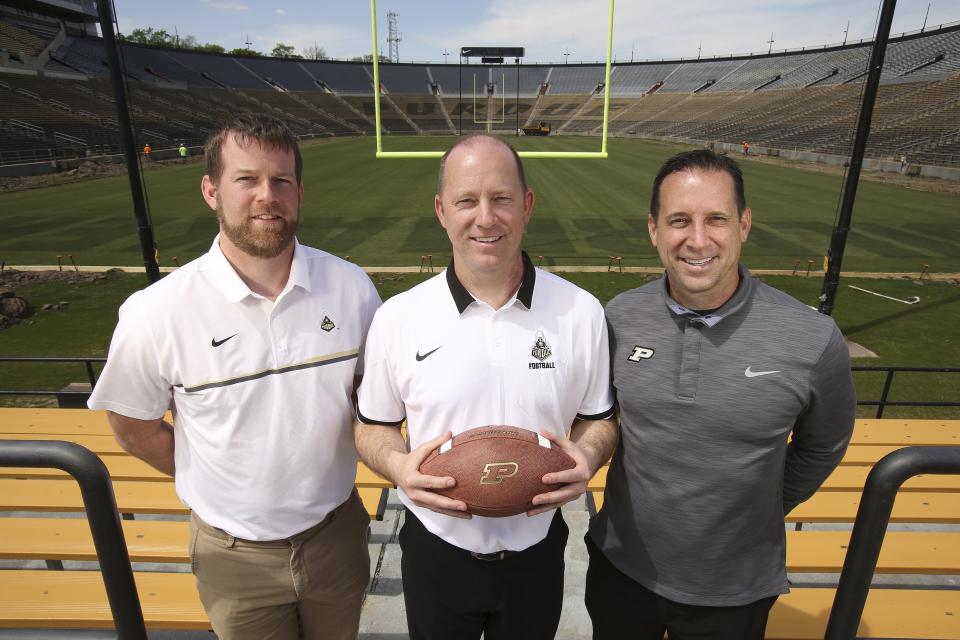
x=498, y=469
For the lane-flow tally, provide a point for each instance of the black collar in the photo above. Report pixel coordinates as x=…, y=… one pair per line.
x=463, y=299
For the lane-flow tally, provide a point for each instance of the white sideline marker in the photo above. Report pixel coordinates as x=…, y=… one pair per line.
x=910, y=300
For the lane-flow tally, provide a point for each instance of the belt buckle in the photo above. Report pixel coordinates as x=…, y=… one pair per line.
x=489, y=557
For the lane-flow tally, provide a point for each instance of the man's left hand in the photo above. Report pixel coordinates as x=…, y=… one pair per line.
x=572, y=482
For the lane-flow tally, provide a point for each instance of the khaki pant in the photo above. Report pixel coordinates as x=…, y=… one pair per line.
x=309, y=586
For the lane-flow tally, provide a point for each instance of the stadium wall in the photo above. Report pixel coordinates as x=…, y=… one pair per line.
x=56, y=166
x=869, y=164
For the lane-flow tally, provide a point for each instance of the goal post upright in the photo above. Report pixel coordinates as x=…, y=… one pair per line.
x=376, y=75
x=602, y=154
x=606, y=84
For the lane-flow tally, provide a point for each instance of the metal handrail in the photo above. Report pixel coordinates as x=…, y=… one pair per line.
x=104, y=519
x=883, y=403
x=88, y=364
x=876, y=504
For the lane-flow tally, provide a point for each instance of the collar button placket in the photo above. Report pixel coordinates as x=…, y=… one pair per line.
x=689, y=361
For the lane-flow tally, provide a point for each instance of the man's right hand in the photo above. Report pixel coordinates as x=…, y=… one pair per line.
x=420, y=487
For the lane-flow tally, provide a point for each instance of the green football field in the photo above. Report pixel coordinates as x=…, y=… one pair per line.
x=380, y=212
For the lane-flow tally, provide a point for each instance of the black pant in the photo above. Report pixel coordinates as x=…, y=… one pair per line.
x=622, y=609
x=451, y=595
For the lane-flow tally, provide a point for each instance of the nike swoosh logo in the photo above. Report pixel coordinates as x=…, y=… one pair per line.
x=753, y=374
x=424, y=356
x=217, y=343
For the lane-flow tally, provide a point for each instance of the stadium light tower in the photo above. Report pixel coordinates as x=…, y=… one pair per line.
x=393, y=37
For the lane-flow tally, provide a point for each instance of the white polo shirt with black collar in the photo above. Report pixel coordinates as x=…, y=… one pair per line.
x=260, y=389
x=444, y=361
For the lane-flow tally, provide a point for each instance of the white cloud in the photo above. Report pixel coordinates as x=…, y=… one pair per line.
x=653, y=29
x=280, y=12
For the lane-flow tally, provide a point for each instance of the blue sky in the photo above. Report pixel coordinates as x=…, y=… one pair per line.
x=547, y=28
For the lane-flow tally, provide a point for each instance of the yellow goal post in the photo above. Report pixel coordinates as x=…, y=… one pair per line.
x=523, y=154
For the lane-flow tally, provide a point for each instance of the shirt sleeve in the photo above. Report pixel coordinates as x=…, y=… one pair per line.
x=132, y=383
x=371, y=302
x=378, y=399
x=598, y=402
x=822, y=432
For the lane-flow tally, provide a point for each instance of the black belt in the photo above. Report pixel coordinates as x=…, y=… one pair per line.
x=413, y=521
x=492, y=557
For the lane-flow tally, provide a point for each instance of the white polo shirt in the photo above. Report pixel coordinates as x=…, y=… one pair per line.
x=444, y=361
x=260, y=390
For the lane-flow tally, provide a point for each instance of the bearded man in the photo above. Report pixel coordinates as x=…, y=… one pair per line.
x=256, y=347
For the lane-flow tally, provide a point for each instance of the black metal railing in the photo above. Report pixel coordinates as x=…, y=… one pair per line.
x=88, y=366
x=101, y=507
x=876, y=504
x=884, y=402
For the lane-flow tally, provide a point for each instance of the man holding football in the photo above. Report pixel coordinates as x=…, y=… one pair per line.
x=491, y=341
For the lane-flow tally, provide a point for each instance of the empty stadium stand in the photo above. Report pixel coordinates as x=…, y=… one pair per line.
x=805, y=100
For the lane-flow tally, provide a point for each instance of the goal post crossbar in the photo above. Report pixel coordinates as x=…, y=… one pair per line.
x=380, y=153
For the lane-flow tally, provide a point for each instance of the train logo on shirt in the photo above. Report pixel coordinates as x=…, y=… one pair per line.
x=327, y=324
x=497, y=472
x=640, y=353
x=541, y=351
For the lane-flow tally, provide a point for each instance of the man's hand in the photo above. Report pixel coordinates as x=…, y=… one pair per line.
x=420, y=487
x=573, y=482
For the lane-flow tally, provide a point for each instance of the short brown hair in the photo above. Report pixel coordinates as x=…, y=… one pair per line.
x=266, y=130
x=699, y=160
x=476, y=138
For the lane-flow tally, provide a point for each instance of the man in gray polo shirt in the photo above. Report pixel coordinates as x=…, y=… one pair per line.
x=713, y=371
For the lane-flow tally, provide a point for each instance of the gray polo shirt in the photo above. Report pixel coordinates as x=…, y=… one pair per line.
x=699, y=485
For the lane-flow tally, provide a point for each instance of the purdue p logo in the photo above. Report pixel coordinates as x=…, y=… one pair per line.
x=497, y=472
x=640, y=353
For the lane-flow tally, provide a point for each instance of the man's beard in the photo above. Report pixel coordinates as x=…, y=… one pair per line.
x=259, y=242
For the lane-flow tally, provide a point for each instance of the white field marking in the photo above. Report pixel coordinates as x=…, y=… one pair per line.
x=910, y=300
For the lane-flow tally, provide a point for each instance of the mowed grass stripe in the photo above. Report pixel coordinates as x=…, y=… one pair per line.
x=586, y=211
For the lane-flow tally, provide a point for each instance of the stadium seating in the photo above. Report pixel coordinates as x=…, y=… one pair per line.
x=402, y=78
x=342, y=78
x=579, y=80
x=925, y=611
x=756, y=73
x=19, y=40
x=801, y=100
x=636, y=80
x=169, y=598
x=693, y=77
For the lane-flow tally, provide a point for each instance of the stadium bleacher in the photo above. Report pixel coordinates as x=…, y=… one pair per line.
x=579, y=80
x=402, y=78
x=530, y=80
x=343, y=78
x=634, y=80
x=15, y=38
x=802, y=100
x=759, y=72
